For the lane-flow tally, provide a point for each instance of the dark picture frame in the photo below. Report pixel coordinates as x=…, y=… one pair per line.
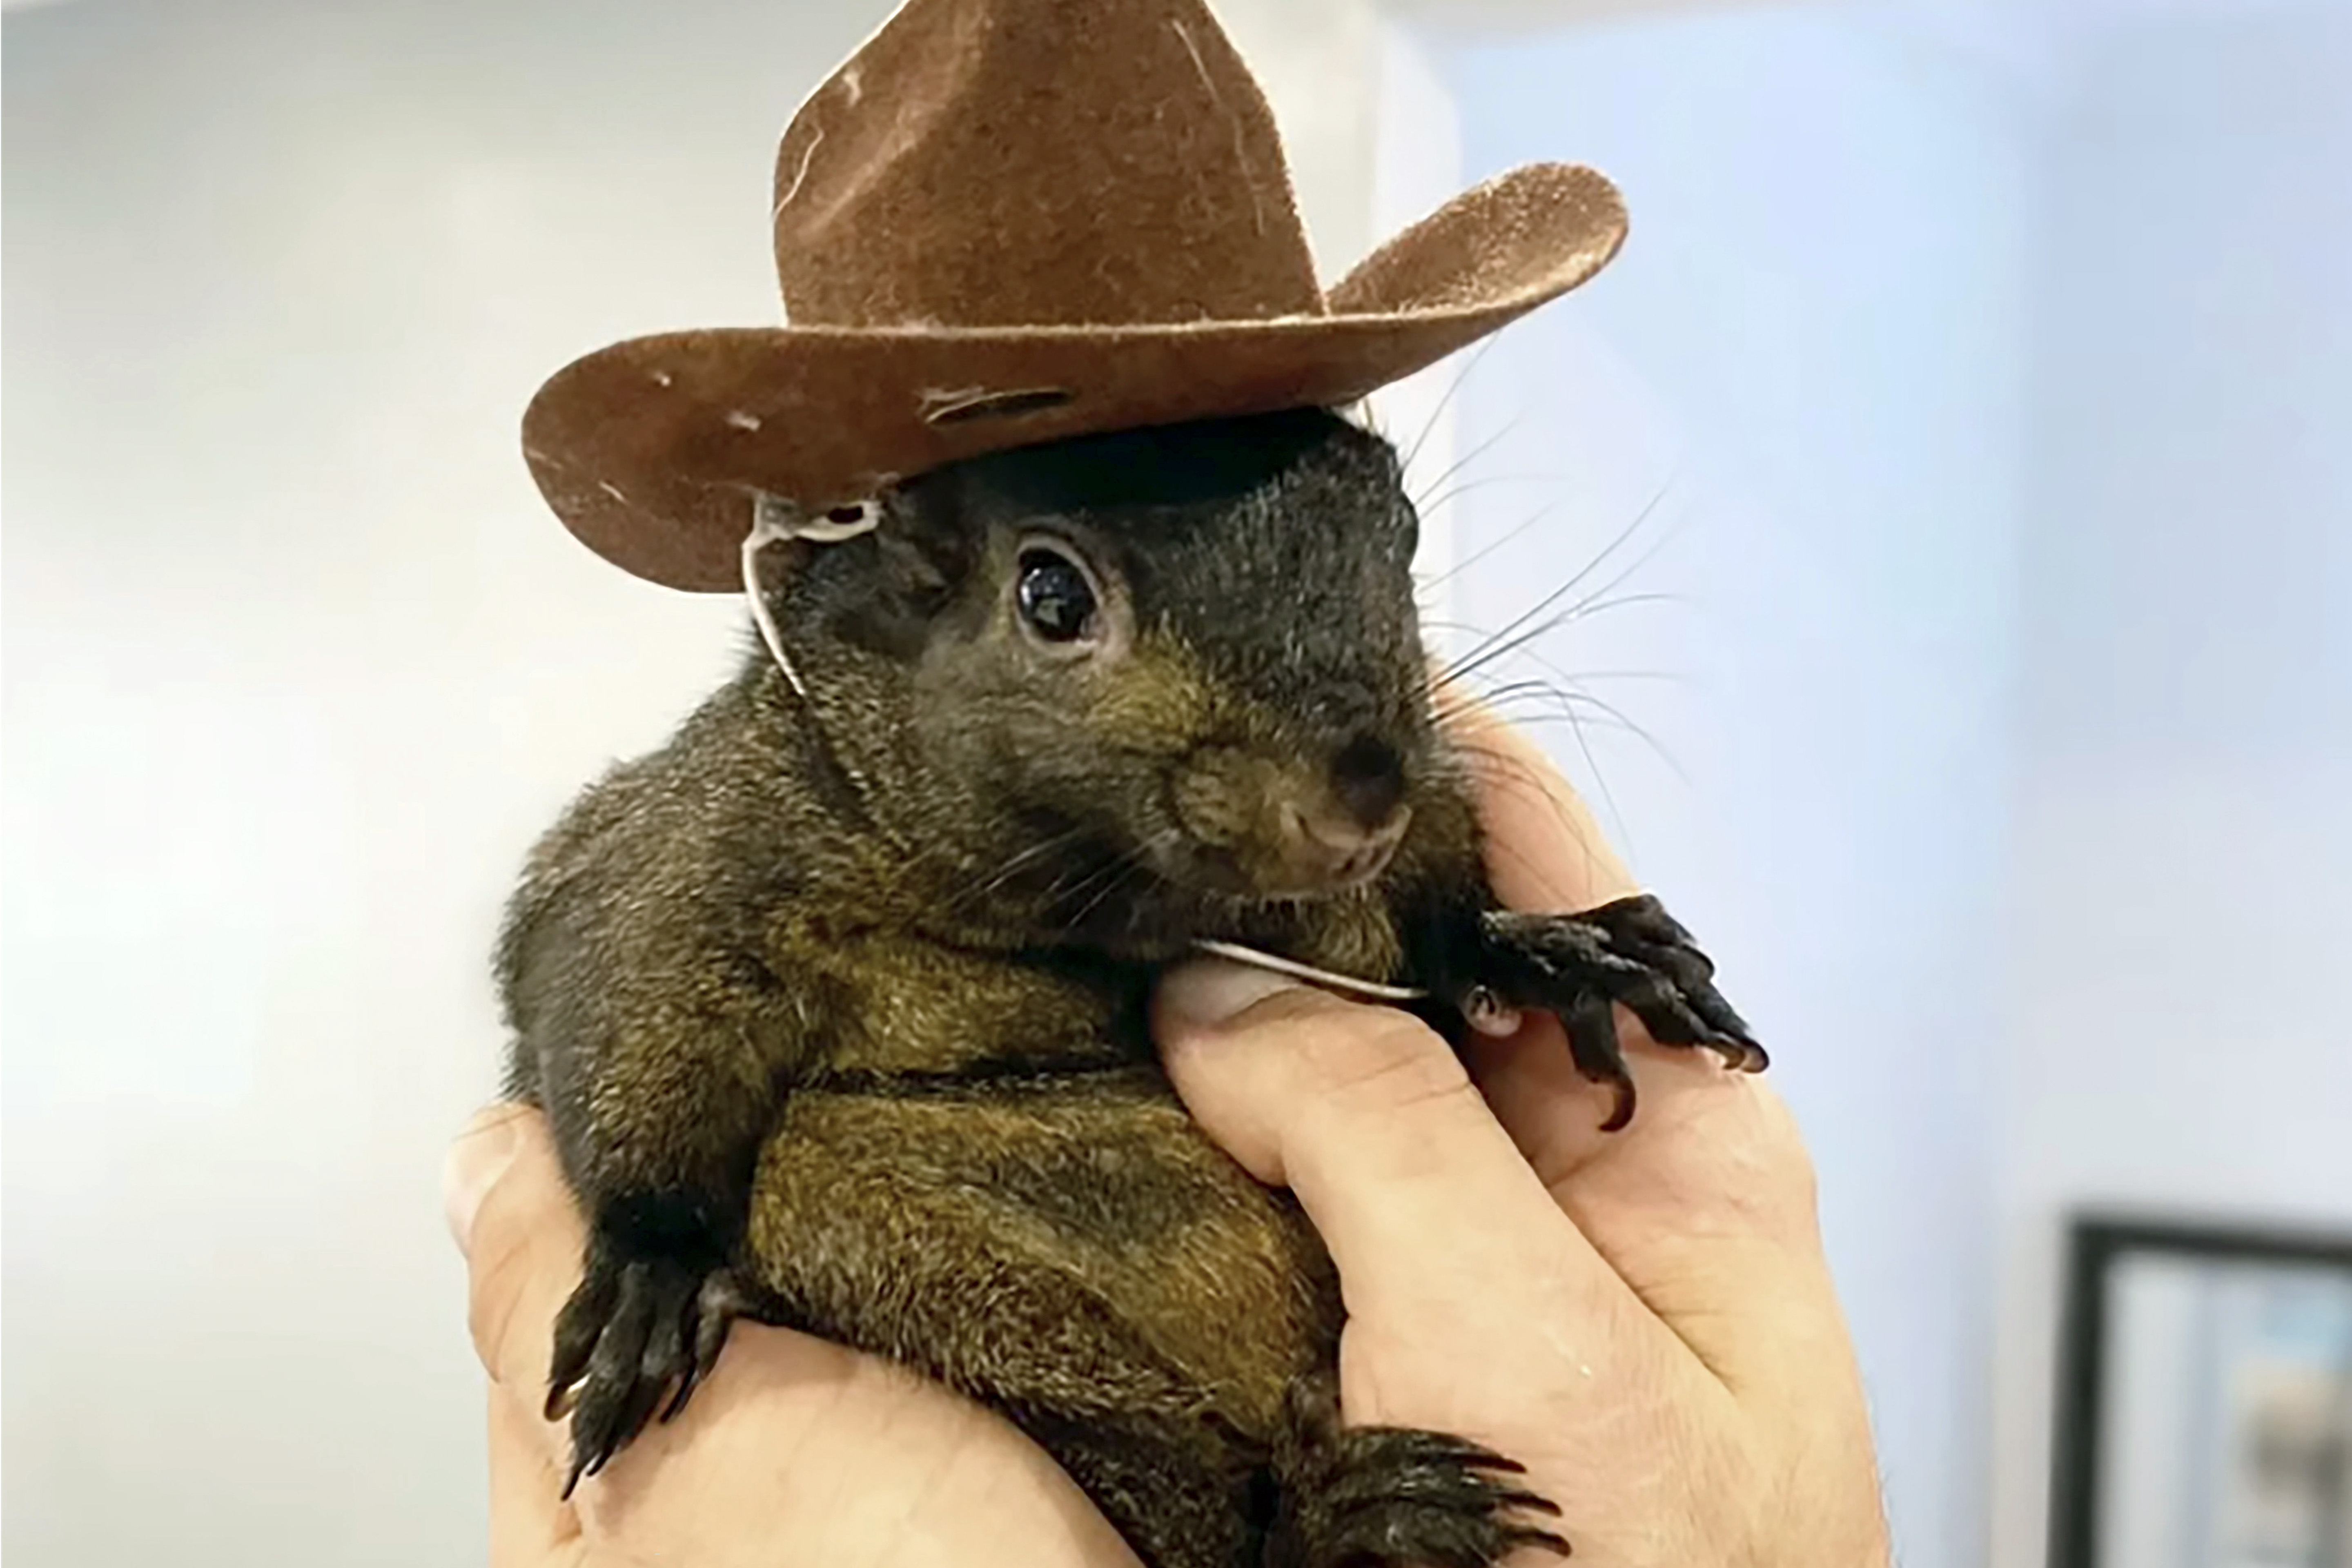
x=2099, y=1250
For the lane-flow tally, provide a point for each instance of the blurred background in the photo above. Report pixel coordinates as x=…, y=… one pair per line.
x=1964, y=440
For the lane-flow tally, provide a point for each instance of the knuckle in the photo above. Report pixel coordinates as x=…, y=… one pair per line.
x=1781, y=1185
x=1379, y=1059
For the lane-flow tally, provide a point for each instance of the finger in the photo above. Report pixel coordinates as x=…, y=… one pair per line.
x=798, y=1449
x=804, y=1451
x=1424, y=1204
x=1703, y=1206
x=1556, y=1115
x=523, y=1242
x=477, y=1157
x=1545, y=853
x=528, y=1527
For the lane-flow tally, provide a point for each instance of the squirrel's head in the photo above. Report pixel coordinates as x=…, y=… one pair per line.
x=1133, y=684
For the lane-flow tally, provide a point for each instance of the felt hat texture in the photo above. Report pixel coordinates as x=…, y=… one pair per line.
x=1005, y=222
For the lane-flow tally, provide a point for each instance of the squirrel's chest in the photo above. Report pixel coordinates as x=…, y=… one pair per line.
x=906, y=1006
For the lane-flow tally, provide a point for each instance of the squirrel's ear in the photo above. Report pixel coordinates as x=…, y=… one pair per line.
x=913, y=564
x=892, y=608
x=925, y=549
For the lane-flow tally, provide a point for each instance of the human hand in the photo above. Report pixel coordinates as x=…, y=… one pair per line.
x=799, y=1452
x=1644, y=1318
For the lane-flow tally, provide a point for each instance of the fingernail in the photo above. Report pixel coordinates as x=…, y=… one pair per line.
x=1211, y=993
x=476, y=1160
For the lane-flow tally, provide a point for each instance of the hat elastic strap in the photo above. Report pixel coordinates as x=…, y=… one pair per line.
x=775, y=521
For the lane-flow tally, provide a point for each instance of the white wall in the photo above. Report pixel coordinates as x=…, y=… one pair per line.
x=2033, y=856
x=1812, y=346
x=297, y=664
x=2182, y=901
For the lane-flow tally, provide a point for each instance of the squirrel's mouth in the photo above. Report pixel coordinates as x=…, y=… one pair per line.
x=1154, y=892
x=1298, y=865
x=1289, y=827
x=1155, y=902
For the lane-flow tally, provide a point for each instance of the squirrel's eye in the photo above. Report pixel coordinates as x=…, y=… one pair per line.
x=1054, y=596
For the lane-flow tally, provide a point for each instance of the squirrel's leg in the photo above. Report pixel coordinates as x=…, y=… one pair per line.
x=1385, y=1496
x=658, y=1110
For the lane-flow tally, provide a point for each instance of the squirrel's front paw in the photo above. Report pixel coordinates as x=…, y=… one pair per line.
x=1631, y=952
x=1385, y=1496
x=638, y=1329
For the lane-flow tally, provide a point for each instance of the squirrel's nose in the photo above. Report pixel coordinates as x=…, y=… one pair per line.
x=1368, y=780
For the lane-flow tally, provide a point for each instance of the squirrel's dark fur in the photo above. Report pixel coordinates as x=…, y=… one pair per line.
x=837, y=1003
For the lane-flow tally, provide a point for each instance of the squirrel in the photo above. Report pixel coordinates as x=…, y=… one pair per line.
x=836, y=1003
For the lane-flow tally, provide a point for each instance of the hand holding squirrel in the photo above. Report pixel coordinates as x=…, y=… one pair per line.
x=1644, y=1318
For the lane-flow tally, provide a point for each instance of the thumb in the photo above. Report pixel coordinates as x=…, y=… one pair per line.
x=481, y=1154
x=1371, y=1121
x=520, y=1232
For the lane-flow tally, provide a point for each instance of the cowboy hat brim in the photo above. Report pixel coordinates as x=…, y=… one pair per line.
x=654, y=451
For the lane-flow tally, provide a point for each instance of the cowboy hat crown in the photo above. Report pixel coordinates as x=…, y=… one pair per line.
x=1004, y=222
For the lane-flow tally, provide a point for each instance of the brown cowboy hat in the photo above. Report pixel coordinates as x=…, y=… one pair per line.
x=1011, y=221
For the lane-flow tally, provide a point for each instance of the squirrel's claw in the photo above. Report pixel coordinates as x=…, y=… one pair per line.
x=1630, y=953
x=1384, y=1496
x=635, y=1330
x=721, y=1301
